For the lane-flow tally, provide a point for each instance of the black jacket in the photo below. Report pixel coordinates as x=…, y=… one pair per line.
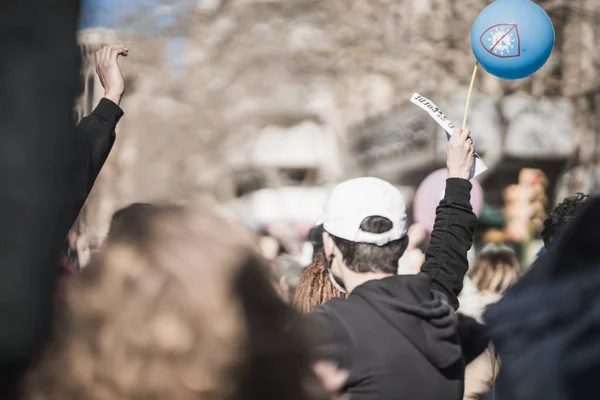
x=398, y=335
x=94, y=140
x=547, y=329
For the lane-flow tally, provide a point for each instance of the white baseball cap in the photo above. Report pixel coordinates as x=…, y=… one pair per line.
x=352, y=201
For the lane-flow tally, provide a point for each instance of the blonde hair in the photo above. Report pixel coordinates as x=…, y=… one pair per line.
x=495, y=270
x=162, y=315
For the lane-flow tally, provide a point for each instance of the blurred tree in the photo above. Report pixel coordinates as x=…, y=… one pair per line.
x=581, y=83
x=251, y=64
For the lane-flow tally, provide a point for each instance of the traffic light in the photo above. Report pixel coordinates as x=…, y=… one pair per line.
x=525, y=205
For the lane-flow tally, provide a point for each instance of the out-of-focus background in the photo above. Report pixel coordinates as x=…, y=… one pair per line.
x=262, y=105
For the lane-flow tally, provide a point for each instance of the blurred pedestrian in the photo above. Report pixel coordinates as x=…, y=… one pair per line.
x=412, y=259
x=547, y=331
x=495, y=270
x=94, y=138
x=289, y=272
x=95, y=134
x=554, y=226
x=270, y=248
x=128, y=222
x=179, y=308
x=560, y=217
x=314, y=287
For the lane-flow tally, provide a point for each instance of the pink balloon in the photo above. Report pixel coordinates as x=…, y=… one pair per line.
x=431, y=191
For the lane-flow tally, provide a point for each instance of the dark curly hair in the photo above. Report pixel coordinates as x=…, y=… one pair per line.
x=562, y=215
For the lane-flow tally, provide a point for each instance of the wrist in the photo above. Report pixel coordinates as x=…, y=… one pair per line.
x=114, y=96
x=458, y=174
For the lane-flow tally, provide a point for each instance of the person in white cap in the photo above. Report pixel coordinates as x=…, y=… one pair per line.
x=396, y=335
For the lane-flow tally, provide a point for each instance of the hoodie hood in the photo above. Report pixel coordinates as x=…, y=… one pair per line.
x=427, y=320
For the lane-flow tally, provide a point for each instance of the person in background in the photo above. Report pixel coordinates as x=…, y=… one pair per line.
x=289, y=272
x=127, y=222
x=494, y=271
x=71, y=247
x=557, y=222
x=68, y=260
x=77, y=250
x=180, y=307
x=547, y=331
x=86, y=246
x=94, y=139
x=410, y=263
x=270, y=248
x=95, y=135
x=560, y=217
x=314, y=287
x=396, y=335
x=539, y=276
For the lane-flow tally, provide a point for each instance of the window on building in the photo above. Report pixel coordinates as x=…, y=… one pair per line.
x=299, y=176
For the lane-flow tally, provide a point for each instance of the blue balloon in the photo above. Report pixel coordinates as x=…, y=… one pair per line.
x=512, y=39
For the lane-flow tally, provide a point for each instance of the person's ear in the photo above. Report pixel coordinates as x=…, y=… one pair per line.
x=328, y=246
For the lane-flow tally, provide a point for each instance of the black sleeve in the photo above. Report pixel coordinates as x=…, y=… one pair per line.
x=446, y=257
x=330, y=339
x=474, y=337
x=94, y=139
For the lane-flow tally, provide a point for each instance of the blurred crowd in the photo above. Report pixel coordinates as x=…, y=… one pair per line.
x=189, y=303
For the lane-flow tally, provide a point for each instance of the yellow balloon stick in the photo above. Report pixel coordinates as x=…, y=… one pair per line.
x=464, y=125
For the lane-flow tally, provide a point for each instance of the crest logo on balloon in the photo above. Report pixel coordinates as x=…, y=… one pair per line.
x=502, y=40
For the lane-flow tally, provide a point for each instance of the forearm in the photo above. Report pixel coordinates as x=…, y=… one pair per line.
x=446, y=258
x=94, y=139
x=96, y=136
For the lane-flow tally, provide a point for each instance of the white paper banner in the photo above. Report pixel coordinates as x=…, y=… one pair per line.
x=440, y=118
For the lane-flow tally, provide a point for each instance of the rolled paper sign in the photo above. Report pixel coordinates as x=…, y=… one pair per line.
x=512, y=39
x=439, y=117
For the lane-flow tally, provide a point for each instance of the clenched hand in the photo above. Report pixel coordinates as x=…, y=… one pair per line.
x=460, y=154
x=109, y=72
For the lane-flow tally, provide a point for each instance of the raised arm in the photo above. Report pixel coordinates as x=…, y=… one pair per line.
x=95, y=134
x=446, y=258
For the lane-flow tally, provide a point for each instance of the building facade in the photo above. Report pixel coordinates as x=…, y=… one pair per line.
x=287, y=93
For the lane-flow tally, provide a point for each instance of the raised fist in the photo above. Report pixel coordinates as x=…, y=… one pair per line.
x=109, y=72
x=459, y=154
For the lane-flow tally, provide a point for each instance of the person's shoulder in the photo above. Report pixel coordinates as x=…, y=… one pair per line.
x=329, y=333
x=328, y=308
x=336, y=313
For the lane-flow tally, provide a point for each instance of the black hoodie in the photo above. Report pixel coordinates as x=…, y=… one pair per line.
x=547, y=329
x=398, y=336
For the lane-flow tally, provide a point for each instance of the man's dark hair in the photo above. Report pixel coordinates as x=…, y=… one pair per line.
x=561, y=216
x=366, y=257
x=130, y=220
